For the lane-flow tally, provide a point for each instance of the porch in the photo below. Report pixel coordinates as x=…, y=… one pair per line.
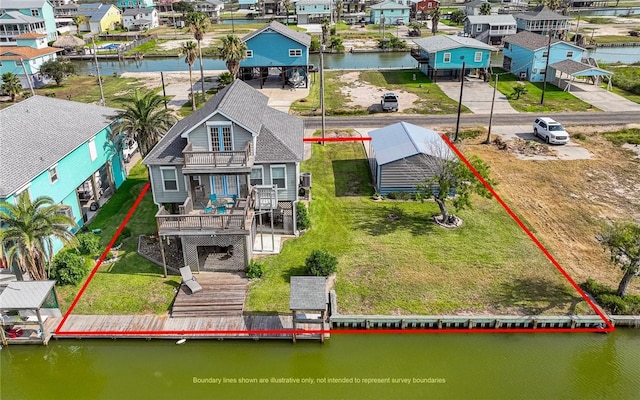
x=233, y=161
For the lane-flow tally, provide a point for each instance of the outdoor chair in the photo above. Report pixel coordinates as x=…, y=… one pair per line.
x=213, y=197
x=207, y=209
x=222, y=209
x=189, y=280
x=232, y=201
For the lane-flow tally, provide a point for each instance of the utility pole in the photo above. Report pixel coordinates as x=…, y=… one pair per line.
x=95, y=57
x=546, y=70
x=33, y=93
x=455, y=138
x=322, y=90
x=493, y=100
x=164, y=92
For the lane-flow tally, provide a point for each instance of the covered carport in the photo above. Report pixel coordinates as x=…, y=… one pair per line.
x=574, y=69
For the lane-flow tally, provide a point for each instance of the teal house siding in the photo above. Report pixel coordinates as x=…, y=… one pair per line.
x=35, y=8
x=472, y=58
x=276, y=45
x=393, y=13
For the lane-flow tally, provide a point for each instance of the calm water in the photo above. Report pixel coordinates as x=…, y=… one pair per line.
x=470, y=366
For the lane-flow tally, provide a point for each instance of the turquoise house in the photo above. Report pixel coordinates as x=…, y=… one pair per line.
x=61, y=149
x=124, y=4
x=25, y=16
x=392, y=12
x=26, y=58
x=276, y=49
x=445, y=55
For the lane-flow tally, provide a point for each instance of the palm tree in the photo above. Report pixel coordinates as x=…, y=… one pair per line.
x=189, y=48
x=144, y=119
x=435, y=18
x=198, y=23
x=233, y=51
x=78, y=20
x=485, y=9
x=29, y=229
x=339, y=10
x=11, y=85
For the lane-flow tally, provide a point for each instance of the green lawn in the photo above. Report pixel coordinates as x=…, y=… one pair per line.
x=555, y=99
x=132, y=285
x=411, y=266
x=625, y=80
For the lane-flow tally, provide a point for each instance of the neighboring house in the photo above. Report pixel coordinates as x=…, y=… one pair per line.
x=426, y=6
x=65, y=11
x=25, y=59
x=100, y=17
x=140, y=19
x=443, y=55
x=273, y=7
x=125, y=4
x=238, y=148
x=490, y=29
x=399, y=156
x=525, y=55
x=59, y=148
x=543, y=21
x=247, y=4
x=390, y=12
x=473, y=8
x=211, y=8
x=314, y=11
x=280, y=47
x=166, y=5
x=354, y=6
x=26, y=16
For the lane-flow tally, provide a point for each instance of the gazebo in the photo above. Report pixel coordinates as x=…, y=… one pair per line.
x=308, y=302
x=21, y=311
x=575, y=69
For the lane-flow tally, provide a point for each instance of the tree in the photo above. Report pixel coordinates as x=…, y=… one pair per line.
x=144, y=119
x=11, y=85
x=457, y=17
x=435, y=18
x=29, y=229
x=233, y=51
x=78, y=20
x=198, y=23
x=485, y=9
x=190, y=48
x=622, y=239
x=183, y=7
x=339, y=10
x=518, y=90
x=325, y=31
x=450, y=175
x=57, y=70
x=286, y=4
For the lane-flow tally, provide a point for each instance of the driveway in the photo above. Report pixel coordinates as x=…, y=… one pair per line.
x=601, y=98
x=477, y=97
x=569, y=151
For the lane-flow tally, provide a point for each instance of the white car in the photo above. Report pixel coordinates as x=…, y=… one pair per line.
x=129, y=148
x=549, y=130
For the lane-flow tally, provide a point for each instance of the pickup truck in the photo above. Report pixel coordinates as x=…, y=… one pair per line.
x=129, y=148
x=389, y=102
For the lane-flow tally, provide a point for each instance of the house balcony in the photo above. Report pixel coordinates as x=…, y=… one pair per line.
x=502, y=32
x=224, y=162
x=419, y=56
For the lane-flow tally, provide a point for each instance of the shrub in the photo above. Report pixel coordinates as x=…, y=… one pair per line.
x=88, y=244
x=68, y=268
x=124, y=234
x=595, y=288
x=255, y=269
x=399, y=196
x=613, y=303
x=302, y=216
x=321, y=263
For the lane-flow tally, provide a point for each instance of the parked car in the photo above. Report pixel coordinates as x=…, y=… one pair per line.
x=550, y=130
x=389, y=102
x=129, y=148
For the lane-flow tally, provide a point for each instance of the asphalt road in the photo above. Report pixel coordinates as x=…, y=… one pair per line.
x=472, y=120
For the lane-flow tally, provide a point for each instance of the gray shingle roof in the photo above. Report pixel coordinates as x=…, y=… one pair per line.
x=530, y=40
x=129, y=12
x=402, y=140
x=39, y=131
x=17, y=16
x=499, y=19
x=541, y=13
x=446, y=42
x=25, y=295
x=572, y=67
x=299, y=37
x=308, y=293
x=279, y=134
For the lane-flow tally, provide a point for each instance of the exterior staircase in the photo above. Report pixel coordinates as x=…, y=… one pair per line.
x=222, y=294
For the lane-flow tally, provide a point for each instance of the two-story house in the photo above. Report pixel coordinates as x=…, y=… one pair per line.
x=139, y=19
x=61, y=149
x=490, y=29
x=211, y=8
x=225, y=173
x=125, y=4
x=390, y=13
x=544, y=21
x=25, y=58
x=26, y=16
x=100, y=17
x=314, y=11
x=473, y=7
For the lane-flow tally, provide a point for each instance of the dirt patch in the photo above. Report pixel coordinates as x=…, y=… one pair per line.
x=524, y=148
x=177, y=44
x=362, y=94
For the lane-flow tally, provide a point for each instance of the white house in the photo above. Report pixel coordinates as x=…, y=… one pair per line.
x=140, y=19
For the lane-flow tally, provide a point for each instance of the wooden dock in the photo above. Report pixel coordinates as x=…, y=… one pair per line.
x=223, y=294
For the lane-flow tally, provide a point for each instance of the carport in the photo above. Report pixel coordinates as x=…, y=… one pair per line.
x=575, y=69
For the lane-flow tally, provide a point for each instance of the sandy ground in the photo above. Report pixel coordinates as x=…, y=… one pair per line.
x=368, y=96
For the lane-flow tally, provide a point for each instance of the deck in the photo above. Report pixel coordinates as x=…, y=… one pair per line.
x=236, y=220
x=31, y=333
x=223, y=294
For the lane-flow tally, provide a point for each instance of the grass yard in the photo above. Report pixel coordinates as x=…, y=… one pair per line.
x=334, y=100
x=131, y=285
x=411, y=266
x=625, y=80
x=555, y=99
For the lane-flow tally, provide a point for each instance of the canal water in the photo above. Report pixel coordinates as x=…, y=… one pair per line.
x=349, y=366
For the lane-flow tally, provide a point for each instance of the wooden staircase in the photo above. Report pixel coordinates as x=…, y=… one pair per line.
x=223, y=294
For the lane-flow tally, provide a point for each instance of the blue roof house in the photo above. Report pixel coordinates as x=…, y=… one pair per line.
x=278, y=47
x=61, y=149
x=400, y=156
x=24, y=16
x=444, y=55
x=390, y=12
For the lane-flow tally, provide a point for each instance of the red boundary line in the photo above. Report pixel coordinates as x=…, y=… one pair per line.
x=609, y=327
x=336, y=139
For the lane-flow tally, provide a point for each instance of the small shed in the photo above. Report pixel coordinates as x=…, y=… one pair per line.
x=24, y=307
x=399, y=156
x=308, y=303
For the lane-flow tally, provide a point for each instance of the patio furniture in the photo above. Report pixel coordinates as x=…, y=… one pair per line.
x=222, y=209
x=232, y=200
x=213, y=197
x=190, y=280
x=206, y=208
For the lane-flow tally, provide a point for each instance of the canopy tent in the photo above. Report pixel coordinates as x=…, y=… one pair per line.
x=577, y=69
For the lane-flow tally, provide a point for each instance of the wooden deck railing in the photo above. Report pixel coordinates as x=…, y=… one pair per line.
x=186, y=207
x=218, y=159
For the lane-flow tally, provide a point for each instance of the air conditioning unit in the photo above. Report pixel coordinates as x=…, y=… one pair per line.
x=523, y=75
x=65, y=210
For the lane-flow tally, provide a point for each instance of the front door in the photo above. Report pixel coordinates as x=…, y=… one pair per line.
x=225, y=185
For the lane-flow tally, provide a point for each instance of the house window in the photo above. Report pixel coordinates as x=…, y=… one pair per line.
x=221, y=138
x=249, y=53
x=256, y=177
x=569, y=54
x=506, y=45
x=545, y=54
x=169, y=179
x=93, y=153
x=53, y=174
x=279, y=176
x=35, y=12
x=446, y=57
x=295, y=52
x=478, y=56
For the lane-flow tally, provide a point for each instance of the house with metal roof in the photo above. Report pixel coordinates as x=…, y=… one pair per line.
x=525, y=55
x=140, y=19
x=125, y=4
x=390, y=13
x=18, y=17
x=224, y=174
x=399, y=156
x=276, y=49
x=100, y=17
x=490, y=29
x=26, y=57
x=544, y=21
x=445, y=55
x=61, y=149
